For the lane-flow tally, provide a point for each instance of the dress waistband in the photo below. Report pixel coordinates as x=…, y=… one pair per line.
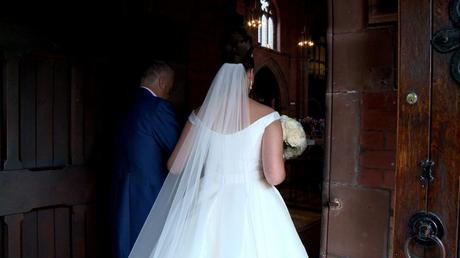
x=235, y=178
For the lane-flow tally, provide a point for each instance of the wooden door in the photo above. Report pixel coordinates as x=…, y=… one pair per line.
x=428, y=126
x=46, y=188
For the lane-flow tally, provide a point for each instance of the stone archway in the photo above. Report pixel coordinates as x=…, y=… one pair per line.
x=281, y=82
x=265, y=89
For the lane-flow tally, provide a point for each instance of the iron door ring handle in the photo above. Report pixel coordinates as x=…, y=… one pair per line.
x=432, y=237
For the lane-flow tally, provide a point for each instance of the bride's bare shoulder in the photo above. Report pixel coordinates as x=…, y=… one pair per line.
x=258, y=110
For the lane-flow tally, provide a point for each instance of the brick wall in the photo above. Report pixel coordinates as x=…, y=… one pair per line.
x=378, y=139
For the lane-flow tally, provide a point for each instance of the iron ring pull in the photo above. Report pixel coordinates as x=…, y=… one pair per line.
x=432, y=237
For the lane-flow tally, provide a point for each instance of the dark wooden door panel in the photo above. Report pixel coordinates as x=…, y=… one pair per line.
x=27, y=113
x=2, y=115
x=13, y=229
x=64, y=232
x=89, y=115
x=76, y=116
x=78, y=232
x=45, y=226
x=3, y=238
x=11, y=91
x=92, y=242
x=53, y=231
x=45, y=113
x=46, y=189
x=445, y=140
x=30, y=235
x=61, y=113
x=413, y=120
x=429, y=129
x=62, y=218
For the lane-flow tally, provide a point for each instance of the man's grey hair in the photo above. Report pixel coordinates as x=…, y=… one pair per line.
x=155, y=70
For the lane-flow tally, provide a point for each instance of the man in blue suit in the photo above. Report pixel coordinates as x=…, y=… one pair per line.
x=146, y=136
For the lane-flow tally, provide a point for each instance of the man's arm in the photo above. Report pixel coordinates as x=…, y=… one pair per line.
x=165, y=127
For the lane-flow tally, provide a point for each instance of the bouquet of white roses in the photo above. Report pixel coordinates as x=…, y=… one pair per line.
x=295, y=140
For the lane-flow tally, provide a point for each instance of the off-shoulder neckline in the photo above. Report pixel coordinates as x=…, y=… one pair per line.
x=240, y=131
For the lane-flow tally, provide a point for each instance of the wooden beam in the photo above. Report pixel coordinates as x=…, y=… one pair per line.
x=24, y=190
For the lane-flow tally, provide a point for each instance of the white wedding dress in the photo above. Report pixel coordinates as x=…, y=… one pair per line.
x=239, y=215
x=226, y=210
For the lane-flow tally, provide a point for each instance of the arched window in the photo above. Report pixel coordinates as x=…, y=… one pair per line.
x=266, y=33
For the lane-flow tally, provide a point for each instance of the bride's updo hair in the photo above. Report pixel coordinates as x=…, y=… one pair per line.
x=238, y=48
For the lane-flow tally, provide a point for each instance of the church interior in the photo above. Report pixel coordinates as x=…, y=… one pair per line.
x=70, y=67
x=77, y=63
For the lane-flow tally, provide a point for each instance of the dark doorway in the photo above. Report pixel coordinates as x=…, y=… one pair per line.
x=265, y=89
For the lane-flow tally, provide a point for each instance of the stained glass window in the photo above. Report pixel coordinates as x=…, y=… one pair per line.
x=266, y=33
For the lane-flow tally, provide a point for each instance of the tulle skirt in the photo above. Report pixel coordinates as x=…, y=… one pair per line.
x=239, y=217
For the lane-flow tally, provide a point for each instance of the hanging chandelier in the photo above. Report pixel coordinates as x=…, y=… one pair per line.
x=254, y=16
x=305, y=41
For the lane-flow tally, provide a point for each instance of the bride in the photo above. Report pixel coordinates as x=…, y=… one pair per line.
x=219, y=199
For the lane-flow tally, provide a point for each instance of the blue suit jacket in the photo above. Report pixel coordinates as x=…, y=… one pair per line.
x=145, y=138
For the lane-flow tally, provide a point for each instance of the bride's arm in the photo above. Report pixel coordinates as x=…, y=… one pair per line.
x=179, y=145
x=272, y=154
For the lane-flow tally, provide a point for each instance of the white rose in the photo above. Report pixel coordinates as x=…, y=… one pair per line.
x=296, y=138
x=293, y=136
